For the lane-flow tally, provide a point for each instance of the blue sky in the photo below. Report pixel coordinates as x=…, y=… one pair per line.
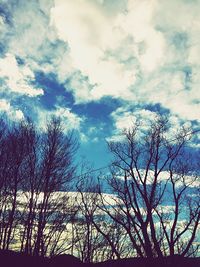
x=100, y=65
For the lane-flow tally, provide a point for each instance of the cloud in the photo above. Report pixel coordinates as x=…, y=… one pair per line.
x=13, y=113
x=30, y=30
x=17, y=78
x=126, y=118
x=108, y=50
x=69, y=119
x=148, y=41
x=90, y=33
x=31, y=38
x=141, y=52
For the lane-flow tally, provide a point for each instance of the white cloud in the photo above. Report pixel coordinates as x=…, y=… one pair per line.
x=89, y=34
x=31, y=34
x=124, y=121
x=149, y=42
x=16, y=77
x=1, y=23
x=137, y=55
x=124, y=118
x=13, y=113
x=135, y=50
x=164, y=176
x=101, y=45
x=69, y=119
x=84, y=138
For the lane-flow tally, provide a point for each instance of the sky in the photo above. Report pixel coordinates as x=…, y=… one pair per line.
x=100, y=65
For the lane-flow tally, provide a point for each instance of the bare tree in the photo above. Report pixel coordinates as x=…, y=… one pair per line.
x=57, y=169
x=147, y=166
x=14, y=172
x=31, y=188
x=101, y=238
x=88, y=238
x=153, y=209
x=35, y=167
x=3, y=175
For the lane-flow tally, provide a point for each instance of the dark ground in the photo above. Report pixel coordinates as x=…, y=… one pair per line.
x=15, y=259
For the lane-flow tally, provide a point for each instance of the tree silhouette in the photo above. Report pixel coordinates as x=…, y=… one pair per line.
x=148, y=170
x=35, y=166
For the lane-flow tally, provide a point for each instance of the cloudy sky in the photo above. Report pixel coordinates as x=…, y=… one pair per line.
x=100, y=64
